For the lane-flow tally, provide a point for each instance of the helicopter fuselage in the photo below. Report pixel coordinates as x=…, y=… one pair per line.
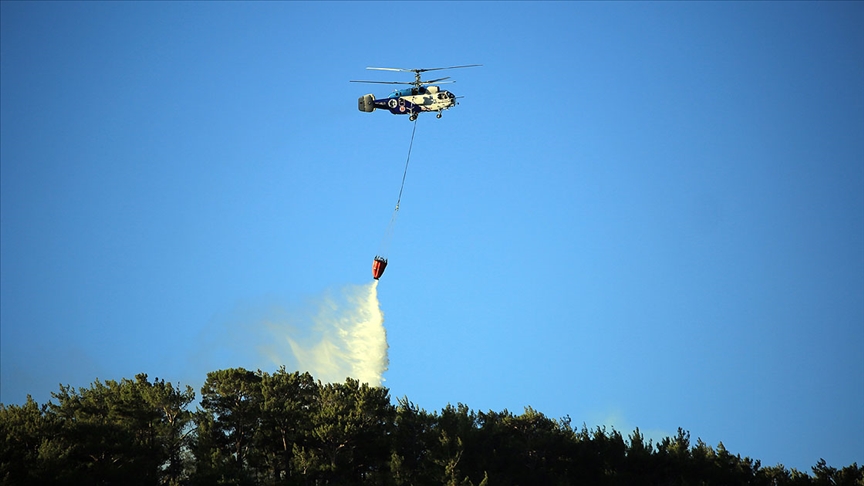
x=410, y=101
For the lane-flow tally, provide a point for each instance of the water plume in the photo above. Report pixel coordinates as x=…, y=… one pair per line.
x=343, y=336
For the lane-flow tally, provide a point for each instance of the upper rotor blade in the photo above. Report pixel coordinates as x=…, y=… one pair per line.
x=422, y=70
x=451, y=67
x=391, y=69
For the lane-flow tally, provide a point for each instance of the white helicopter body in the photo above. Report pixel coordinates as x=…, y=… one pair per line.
x=421, y=97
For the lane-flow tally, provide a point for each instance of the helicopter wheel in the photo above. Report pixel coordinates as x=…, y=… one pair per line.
x=412, y=116
x=438, y=115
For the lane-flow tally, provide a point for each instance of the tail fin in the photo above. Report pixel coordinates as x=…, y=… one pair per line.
x=366, y=103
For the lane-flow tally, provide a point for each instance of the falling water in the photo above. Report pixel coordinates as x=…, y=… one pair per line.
x=344, y=337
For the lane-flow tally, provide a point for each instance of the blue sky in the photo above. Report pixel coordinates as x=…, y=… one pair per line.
x=641, y=214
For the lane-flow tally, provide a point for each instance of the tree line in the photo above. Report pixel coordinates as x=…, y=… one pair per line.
x=258, y=428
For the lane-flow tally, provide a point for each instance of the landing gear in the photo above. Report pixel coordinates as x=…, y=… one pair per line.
x=412, y=116
x=438, y=115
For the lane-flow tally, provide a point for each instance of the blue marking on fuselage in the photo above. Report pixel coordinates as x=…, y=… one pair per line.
x=403, y=107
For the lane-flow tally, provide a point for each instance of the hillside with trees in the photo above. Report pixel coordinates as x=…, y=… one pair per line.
x=258, y=428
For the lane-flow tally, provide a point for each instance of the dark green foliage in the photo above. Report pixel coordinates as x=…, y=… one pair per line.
x=24, y=432
x=285, y=428
x=127, y=432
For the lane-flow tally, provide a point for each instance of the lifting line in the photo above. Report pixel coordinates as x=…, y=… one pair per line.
x=385, y=241
x=399, y=199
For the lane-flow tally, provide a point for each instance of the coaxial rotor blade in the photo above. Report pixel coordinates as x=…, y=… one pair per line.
x=381, y=82
x=450, y=67
x=392, y=69
x=436, y=80
x=423, y=70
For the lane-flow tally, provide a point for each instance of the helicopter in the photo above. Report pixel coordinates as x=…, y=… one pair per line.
x=420, y=97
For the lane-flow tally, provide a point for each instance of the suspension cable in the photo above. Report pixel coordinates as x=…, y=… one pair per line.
x=383, y=247
x=408, y=160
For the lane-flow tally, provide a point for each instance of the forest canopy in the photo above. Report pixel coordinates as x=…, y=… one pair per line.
x=258, y=428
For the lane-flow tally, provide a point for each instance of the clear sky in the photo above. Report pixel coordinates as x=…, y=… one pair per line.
x=641, y=214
